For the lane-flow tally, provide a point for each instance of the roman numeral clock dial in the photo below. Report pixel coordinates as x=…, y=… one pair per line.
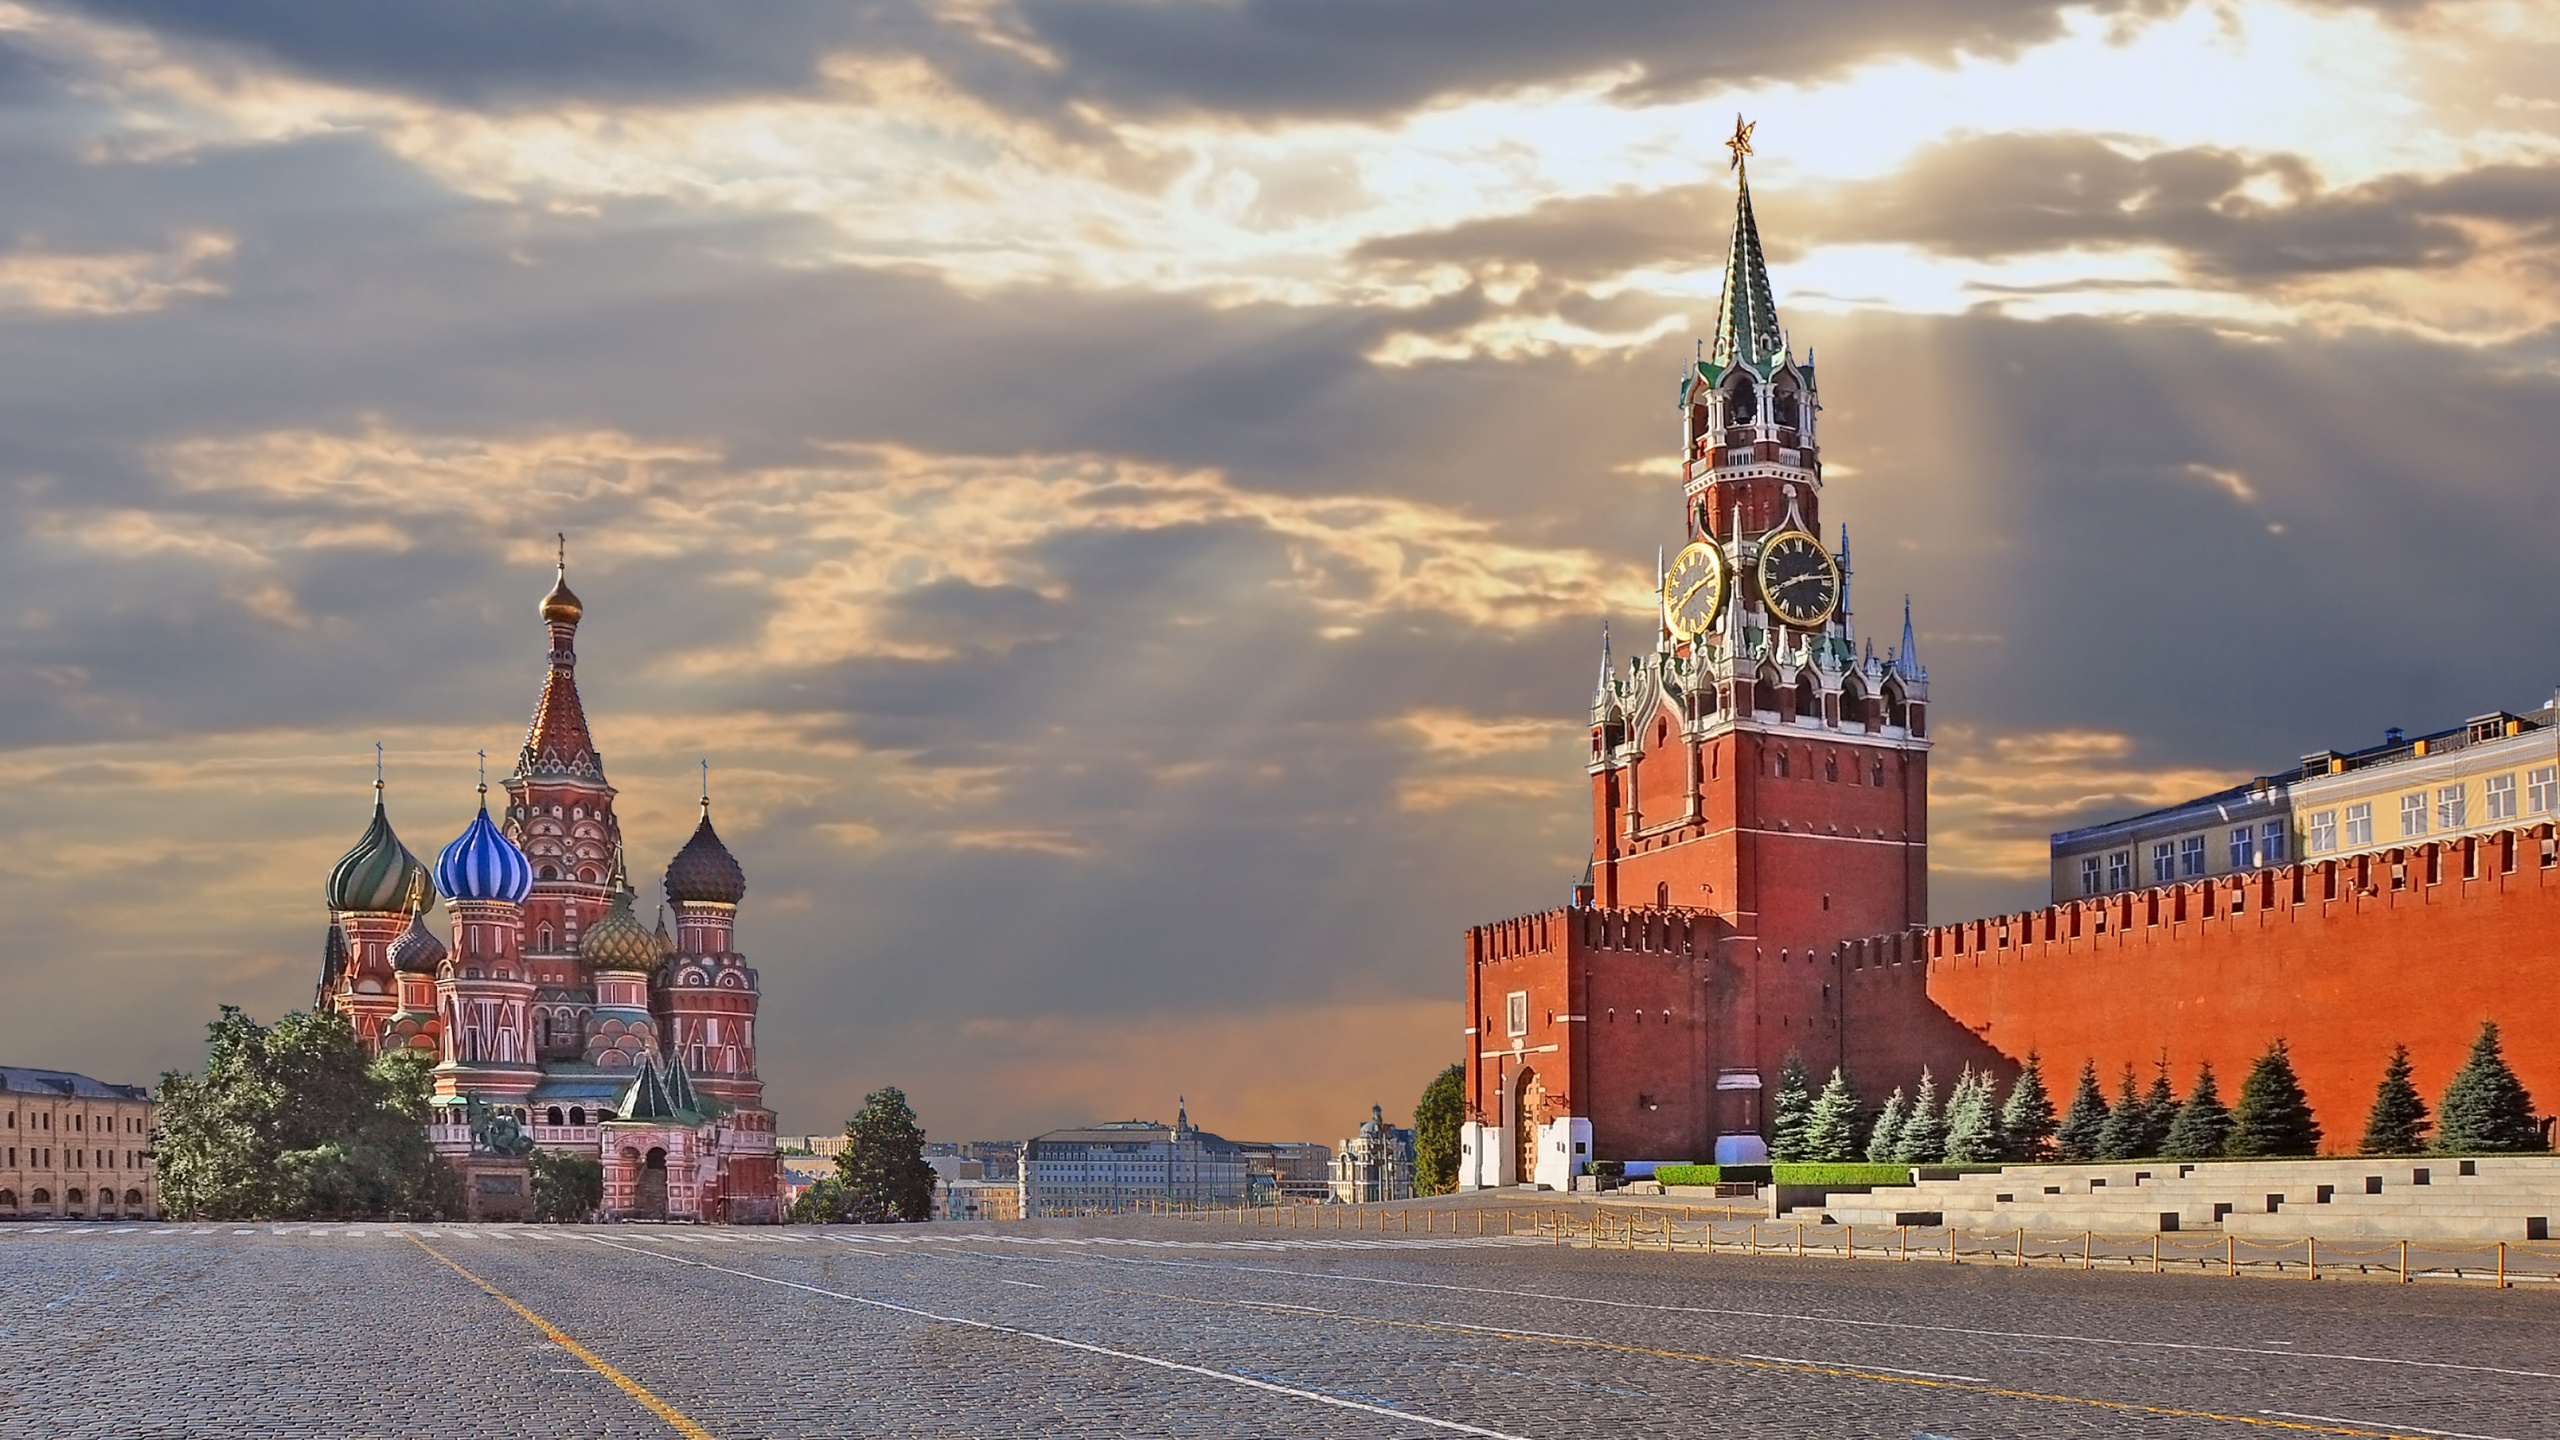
x=1693, y=590
x=1799, y=581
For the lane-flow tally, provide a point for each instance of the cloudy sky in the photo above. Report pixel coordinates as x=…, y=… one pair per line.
x=1124, y=492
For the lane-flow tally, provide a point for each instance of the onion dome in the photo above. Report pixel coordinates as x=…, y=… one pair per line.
x=704, y=872
x=379, y=874
x=561, y=606
x=617, y=942
x=417, y=951
x=482, y=864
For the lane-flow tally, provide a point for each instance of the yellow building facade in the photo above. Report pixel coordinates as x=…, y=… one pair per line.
x=74, y=1148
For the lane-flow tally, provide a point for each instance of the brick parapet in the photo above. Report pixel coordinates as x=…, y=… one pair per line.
x=2342, y=958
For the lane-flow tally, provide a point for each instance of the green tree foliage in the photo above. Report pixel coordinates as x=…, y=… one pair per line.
x=1885, y=1140
x=1973, y=1123
x=2081, y=1128
x=881, y=1176
x=2203, y=1124
x=1831, y=1130
x=1923, y=1139
x=823, y=1203
x=2159, y=1109
x=567, y=1186
x=1438, y=1117
x=295, y=1121
x=2486, y=1107
x=2126, y=1134
x=2274, y=1116
x=1789, y=1110
x=2397, y=1124
x=2026, y=1121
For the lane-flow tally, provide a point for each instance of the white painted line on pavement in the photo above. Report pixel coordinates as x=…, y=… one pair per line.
x=1331, y=1277
x=1250, y=1382
x=2384, y=1425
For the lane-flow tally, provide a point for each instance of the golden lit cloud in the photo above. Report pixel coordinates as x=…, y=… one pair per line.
x=125, y=282
x=1995, y=801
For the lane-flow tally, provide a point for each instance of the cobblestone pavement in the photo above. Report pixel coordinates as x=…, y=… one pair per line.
x=1179, y=1328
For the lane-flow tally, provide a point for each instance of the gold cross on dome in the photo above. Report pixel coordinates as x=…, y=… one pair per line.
x=1740, y=144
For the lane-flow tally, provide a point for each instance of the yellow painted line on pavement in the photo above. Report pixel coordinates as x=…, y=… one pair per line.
x=1306, y=1312
x=682, y=1423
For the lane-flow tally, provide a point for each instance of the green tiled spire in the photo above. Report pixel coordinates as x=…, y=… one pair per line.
x=1747, y=330
x=647, y=1098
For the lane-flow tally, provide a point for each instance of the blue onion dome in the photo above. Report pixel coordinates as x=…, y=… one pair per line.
x=482, y=864
x=417, y=951
x=617, y=942
x=704, y=872
x=380, y=875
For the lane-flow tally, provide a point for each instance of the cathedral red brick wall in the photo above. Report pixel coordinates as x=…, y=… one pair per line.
x=2342, y=959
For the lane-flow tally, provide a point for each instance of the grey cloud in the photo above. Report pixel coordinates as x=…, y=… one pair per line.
x=2000, y=195
x=1261, y=58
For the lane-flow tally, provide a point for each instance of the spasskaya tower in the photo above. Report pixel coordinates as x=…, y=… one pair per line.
x=1759, y=793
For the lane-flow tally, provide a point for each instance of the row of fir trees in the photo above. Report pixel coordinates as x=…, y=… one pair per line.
x=2484, y=1109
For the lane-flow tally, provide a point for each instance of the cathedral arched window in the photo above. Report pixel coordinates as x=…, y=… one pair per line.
x=1784, y=769
x=1764, y=692
x=542, y=1041
x=1661, y=732
x=1897, y=710
x=1742, y=403
x=577, y=1114
x=1808, y=699
x=553, y=1115
x=1662, y=894
x=1831, y=768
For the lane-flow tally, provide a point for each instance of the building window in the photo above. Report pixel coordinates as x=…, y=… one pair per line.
x=2164, y=863
x=1519, y=1012
x=2120, y=870
x=2088, y=874
x=2191, y=856
x=2271, y=842
x=2360, y=824
x=2413, y=814
x=2241, y=838
x=2453, y=808
x=1875, y=774
x=2542, y=791
x=2323, y=836
x=2498, y=797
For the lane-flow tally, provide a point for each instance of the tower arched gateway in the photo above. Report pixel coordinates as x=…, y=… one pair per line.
x=551, y=1008
x=1759, y=794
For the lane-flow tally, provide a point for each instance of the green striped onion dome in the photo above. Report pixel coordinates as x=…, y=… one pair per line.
x=379, y=874
x=617, y=942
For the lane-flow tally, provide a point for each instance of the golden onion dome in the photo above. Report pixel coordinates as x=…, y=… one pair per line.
x=561, y=606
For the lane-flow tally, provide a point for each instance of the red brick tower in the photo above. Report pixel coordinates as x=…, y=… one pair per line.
x=560, y=812
x=1759, y=793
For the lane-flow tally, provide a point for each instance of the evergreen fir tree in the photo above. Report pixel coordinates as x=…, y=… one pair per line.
x=2126, y=1130
x=2026, y=1122
x=1831, y=1129
x=1923, y=1138
x=2078, y=1137
x=1973, y=1130
x=1789, y=1109
x=2397, y=1124
x=2274, y=1116
x=1884, y=1142
x=2203, y=1123
x=2486, y=1107
x=2159, y=1109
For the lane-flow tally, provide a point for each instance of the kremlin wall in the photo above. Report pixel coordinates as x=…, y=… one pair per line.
x=1757, y=882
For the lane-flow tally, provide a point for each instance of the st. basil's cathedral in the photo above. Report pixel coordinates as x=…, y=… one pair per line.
x=557, y=1018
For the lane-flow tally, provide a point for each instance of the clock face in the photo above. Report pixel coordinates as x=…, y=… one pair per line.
x=1799, y=581
x=1693, y=590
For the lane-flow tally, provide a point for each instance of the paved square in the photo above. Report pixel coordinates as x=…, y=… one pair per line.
x=1180, y=1328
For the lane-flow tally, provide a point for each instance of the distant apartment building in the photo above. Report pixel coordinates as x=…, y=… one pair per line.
x=1278, y=1171
x=74, y=1148
x=1128, y=1164
x=2490, y=773
x=1002, y=1158
x=828, y=1146
x=1375, y=1164
x=962, y=1190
